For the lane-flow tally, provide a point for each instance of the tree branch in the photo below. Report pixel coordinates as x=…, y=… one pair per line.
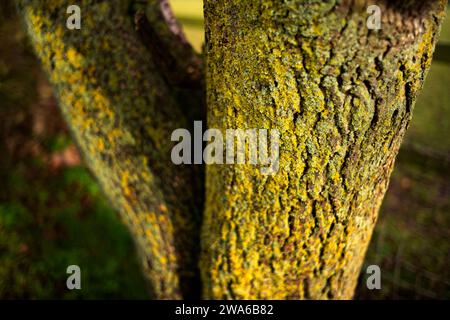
x=178, y=61
x=122, y=112
x=178, y=72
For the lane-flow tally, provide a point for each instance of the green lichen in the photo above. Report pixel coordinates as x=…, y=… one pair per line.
x=121, y=113
x=342, y=97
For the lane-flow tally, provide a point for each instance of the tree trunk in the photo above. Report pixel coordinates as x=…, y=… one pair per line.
x=340, y=95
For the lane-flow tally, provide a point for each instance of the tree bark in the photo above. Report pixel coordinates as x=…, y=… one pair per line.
x=341, y=95
x=122, y=108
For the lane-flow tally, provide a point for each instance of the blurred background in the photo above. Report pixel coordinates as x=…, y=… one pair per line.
x=52, y=213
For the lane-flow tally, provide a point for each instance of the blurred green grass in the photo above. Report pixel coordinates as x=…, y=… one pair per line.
x=55, y=220
x=53, y=217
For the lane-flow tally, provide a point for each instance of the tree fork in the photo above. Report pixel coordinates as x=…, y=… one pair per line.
x=340, y=95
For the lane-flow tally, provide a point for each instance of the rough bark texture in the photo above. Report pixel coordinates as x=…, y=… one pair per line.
x=341, y=96
x=122, y=111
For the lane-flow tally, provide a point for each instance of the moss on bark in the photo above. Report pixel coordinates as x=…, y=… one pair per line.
x=121, y=112
x=341, y=96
